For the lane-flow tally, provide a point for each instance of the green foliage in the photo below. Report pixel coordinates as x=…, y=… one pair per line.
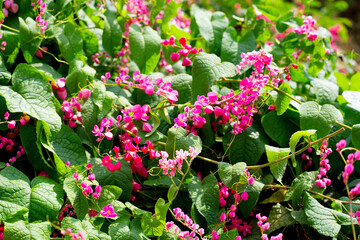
x=247, y=93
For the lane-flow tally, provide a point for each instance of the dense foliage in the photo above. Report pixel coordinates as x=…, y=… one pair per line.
x=178, y=120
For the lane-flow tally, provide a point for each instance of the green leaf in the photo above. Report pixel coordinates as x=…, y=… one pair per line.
x=278, y=128
x=247, y=146
x=154, y=225
x=76, y=197
x=170, y=11
x=246, y=207
x=112, y=35
x=68, y=146
x=298, y=75
x=29, y=139
x=29, y=38
x=12, y=47
x=31, y=93
x=282, y=101
x=171, y=192
x=321, y=218
x=182, y=84
x=5, y=75
x=47, y=70
x=300, y=217
x=322, y=119
x=269, y=11
x=144, y=47
x=342, y=81
x=355, y=82
x=46, y=199
x=70, y=42
x=177, y=140
x=10, y=211
x=295, y=138
x=273, y=154
x=21, y=230
x=109, y=193
x=307, y=180
x=279, y=217
x=163, y=111
x=232, y=174
x=355, y=135
x=84, y=226
x=123, y=229
x=325, y=91
x=286, y=21
x=156, y=9
x=122, y=178
x=156, y=123
x=205, y=195
x=135, y=210
x=91, y=43
x=14, y=187
x=211, y=27
x=78, y=76
x=207, y=69
x=352, y=97
x=232, y=234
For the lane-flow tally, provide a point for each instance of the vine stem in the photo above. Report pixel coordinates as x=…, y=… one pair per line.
x=10, y=28
x=310, y=191
x=310, y=144
x=61, y=61
x=299, y=102
x=350, y=204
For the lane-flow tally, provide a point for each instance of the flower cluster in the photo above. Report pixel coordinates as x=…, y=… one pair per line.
x=10, y=5
x=74, y=236
x=308, y=28
x=66, y=211
x=188, y=222
x=304, y=156
x=135, y=188
x=265, y=226
x=322, y=179
x=72, y=108
x=173, y=165
x=8, y=143
x=105, y=124
x=145, y=84
x=349, y=167
x=185, y=50
x=40, y=22
x=87, y=189
x=229, y=217
x=106, y=162
x=59, y=86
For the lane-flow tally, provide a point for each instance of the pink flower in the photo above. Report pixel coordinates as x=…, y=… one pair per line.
x=6, y=116
x=223, y=217
x=180, y=120
x=84, y=93
x=91, y=177
x=214, y=235
x=186, y=61
x=175, y=57
x=92, y=213
x=108, y=212
x=341, y=144
x=12, y=124
x=44, y=174
x=147, y=127
x=244, y=196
